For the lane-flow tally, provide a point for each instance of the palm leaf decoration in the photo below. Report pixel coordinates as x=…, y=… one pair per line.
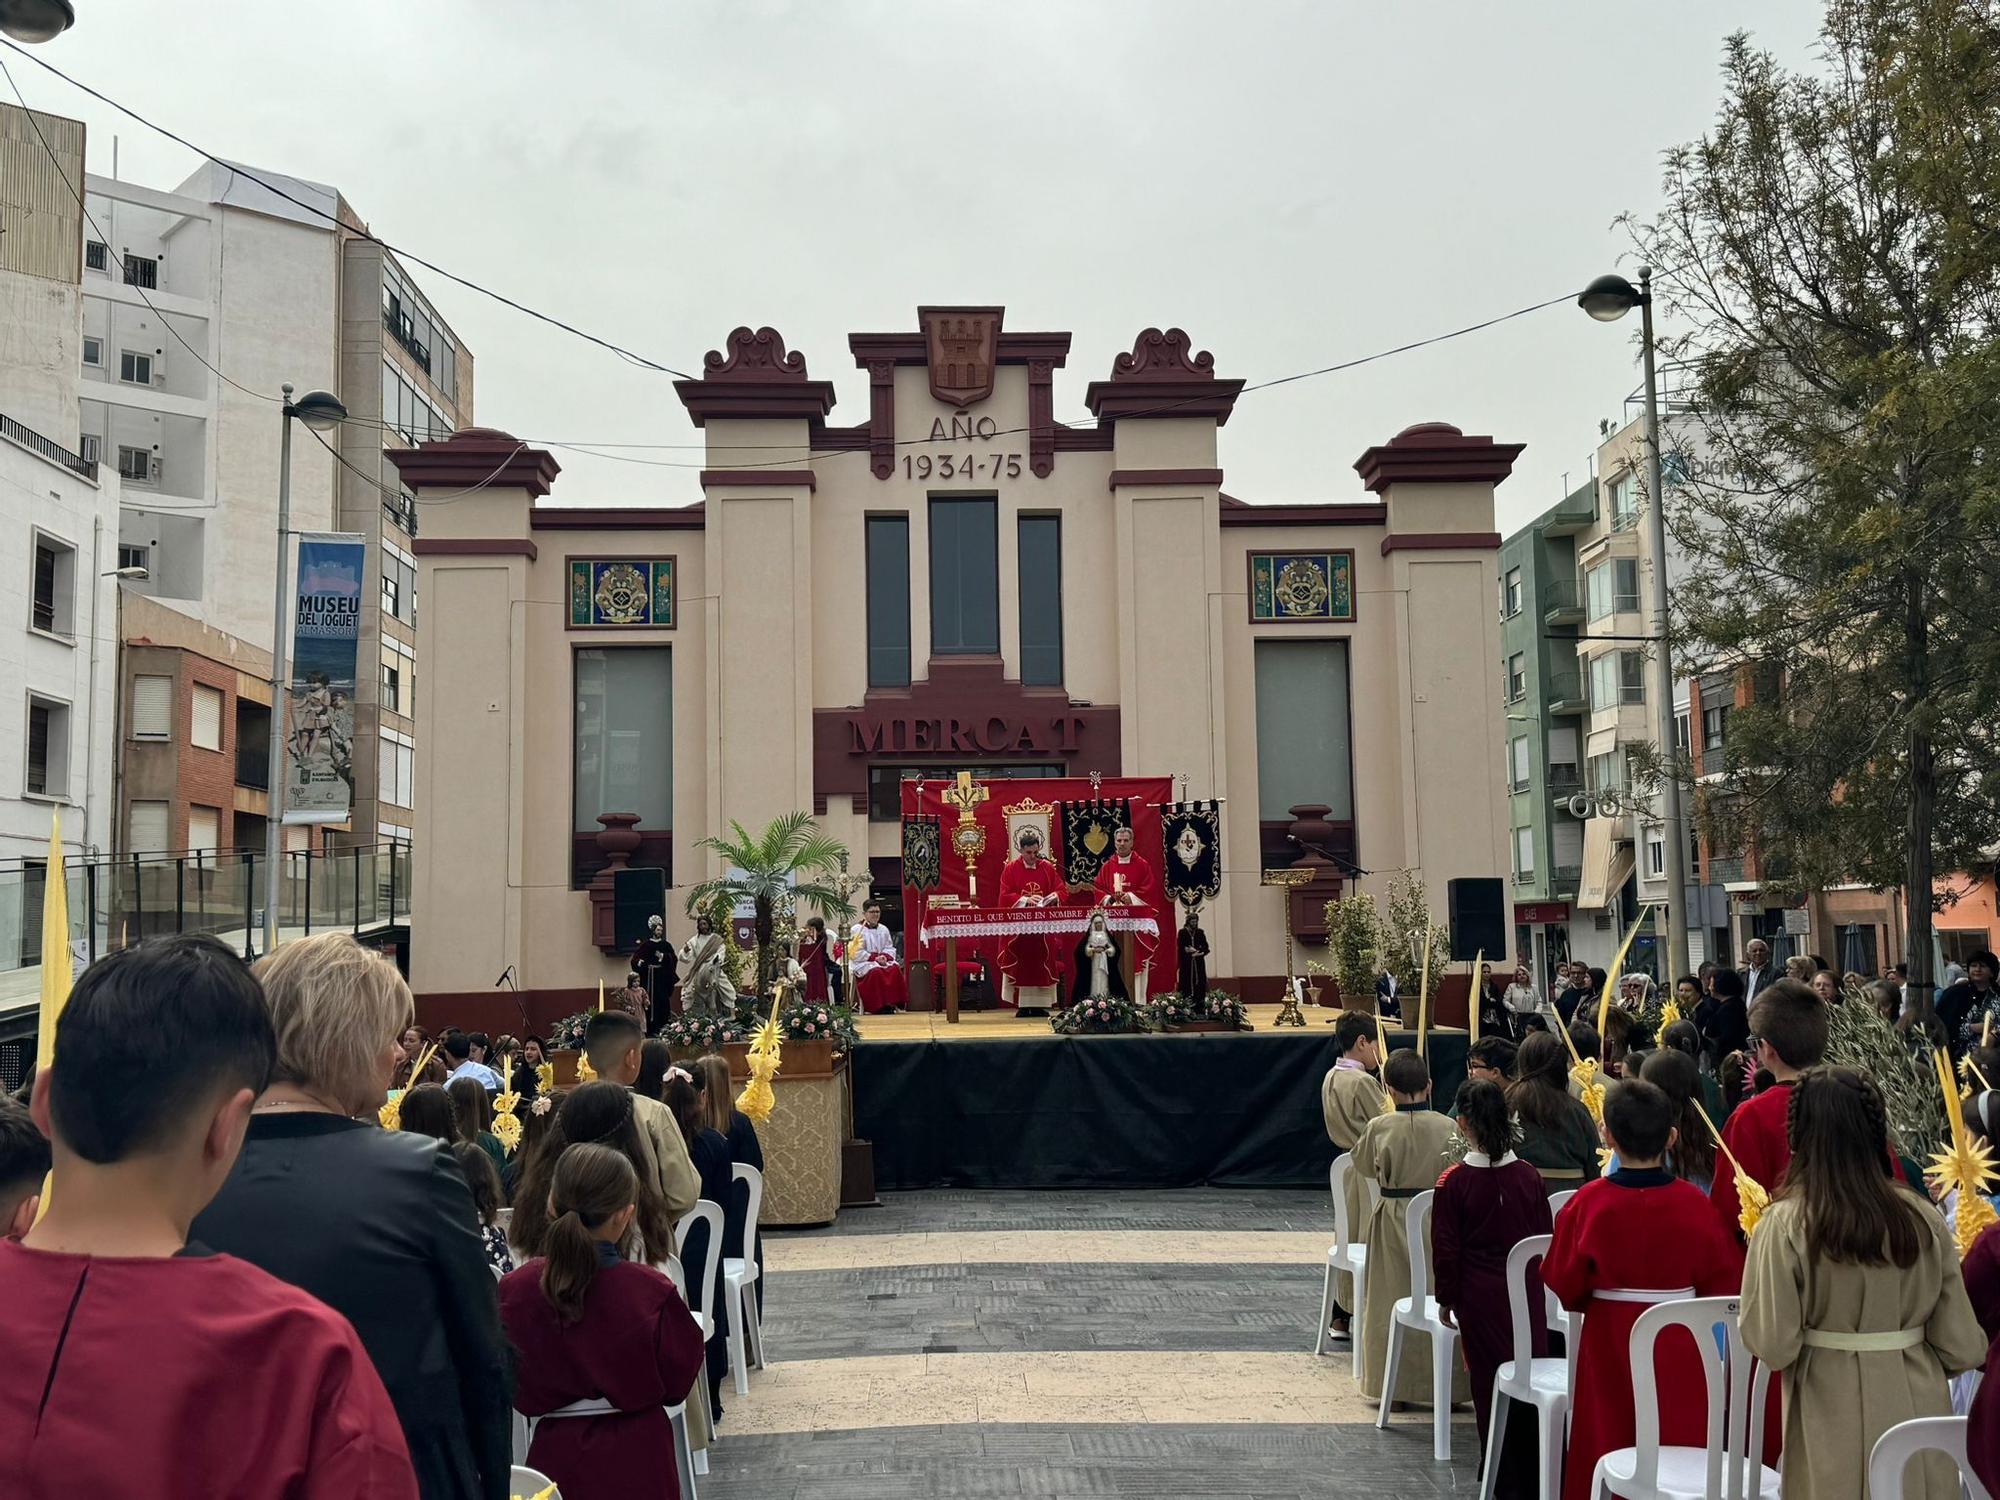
x=790, y=861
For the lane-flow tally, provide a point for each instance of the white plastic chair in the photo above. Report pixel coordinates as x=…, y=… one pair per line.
x=1563, y=1320
x=1418, y=1313
x=739, y=1288
x=1543, y=1383
x=708, y=1212
x=531, y=1482
x=1895, y=1448
x=1345, y=1254
x=687, y=1462
x=1728, y=1465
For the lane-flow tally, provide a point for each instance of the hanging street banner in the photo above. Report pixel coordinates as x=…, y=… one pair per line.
x=326, y=637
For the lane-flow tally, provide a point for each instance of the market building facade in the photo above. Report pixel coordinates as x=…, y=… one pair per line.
x=956, y=582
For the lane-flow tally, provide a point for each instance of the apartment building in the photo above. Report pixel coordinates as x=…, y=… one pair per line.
x=270, y=280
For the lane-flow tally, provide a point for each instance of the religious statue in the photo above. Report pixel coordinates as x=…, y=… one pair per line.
x=653, y=961
x=1099, y=975
x=632, y=999
x=1194, y=958
x=706, y=990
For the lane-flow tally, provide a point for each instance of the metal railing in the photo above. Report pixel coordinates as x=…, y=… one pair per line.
x=1564, y=687
x=54, y=452
x=118, y=900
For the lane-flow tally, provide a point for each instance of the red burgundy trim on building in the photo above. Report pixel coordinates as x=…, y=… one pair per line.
x=756, y=377
x=1436, y=453
x=710, y=478
x=1162, y=377
x=1441, y=541
x=1237, y=513
x=474, y=546
x=477, y=458
x=967, y=709
x=1165, y=476
x=615, y=519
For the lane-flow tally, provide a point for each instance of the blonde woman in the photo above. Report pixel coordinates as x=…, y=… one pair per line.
x=378, y=1224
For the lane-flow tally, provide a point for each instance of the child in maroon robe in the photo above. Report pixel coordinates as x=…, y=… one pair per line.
x=140, y=1365
x=1626, y=1242
x=1485, y=1206
x=589, y=1325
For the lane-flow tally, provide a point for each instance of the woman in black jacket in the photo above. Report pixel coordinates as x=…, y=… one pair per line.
x=378, y=1224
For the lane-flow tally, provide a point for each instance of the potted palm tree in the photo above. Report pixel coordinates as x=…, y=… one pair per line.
x=791, y=860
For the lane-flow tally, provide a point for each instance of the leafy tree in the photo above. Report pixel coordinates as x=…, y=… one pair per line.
x=1409, y=918
x=1831, y=255
x=790, y=860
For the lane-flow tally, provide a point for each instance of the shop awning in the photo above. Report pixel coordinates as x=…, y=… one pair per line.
x=1602, y=742
x=1607, y=864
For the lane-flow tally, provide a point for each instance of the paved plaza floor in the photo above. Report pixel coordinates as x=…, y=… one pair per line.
x=1063, y=1344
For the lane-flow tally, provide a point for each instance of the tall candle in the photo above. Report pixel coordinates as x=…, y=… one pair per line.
x=1117, y=883
x=972, y=885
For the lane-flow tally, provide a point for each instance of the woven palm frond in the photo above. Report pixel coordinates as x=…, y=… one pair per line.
x=1858, y=1037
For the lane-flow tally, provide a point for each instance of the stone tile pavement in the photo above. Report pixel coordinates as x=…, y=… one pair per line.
x=1046, y=1344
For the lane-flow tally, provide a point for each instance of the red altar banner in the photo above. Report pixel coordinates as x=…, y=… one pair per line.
x=1009, y=803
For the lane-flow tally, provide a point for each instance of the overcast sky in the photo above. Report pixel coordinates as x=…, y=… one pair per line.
x=1294, y=184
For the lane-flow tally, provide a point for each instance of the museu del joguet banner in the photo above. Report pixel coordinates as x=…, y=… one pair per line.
x=326, y=636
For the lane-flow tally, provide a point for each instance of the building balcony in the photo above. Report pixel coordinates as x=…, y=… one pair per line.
x=1562, y=603
x=1563, y=881
x=1725, y=871
x=1564, y=694
x=54, y=452
x=1564, y=781
x=1576, y=514
x=1524, y=879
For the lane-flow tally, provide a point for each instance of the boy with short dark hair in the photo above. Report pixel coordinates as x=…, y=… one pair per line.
x=1625, y=1242
x=1491, y=1058
x=139, y=1364
x=1789, y=1023
x=611, y=1042
x=1349, y=1097
x=1404, y=1153
x=24, y=1162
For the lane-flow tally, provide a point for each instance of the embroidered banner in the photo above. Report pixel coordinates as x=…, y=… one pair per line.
x=1087, y=831
x=921, y=851
x=621, y=593
x=1301, y=587
x=1193, y=834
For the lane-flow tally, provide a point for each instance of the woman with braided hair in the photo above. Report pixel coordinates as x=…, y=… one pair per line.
x=1852, y=1292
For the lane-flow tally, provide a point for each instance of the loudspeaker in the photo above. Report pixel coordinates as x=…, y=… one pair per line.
x=637, y=896
x=1478, y=911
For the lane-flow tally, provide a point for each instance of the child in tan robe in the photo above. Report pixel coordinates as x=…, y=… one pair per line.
x=1852, y=1290
x=1403, y=1153
x=1349, y=1098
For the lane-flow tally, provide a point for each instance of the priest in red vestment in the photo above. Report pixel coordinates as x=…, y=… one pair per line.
x=1626, y=1243
x=1129, y=879
x=137, y=1363
x=1031, y=964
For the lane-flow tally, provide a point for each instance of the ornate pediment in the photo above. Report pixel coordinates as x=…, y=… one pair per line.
x=1164, y=355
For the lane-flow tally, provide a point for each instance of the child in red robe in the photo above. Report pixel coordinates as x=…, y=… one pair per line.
x=1789, y=1023
x=588, y=1325
x=1626, y=1242
x=1486, y=1205
x=137, y=1363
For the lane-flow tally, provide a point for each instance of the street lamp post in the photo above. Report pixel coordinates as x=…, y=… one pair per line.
x=319, y=410
x=34, y=21
x=1608, y=299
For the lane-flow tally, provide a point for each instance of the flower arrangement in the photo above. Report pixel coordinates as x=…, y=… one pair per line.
x=567, y=1034
x=820, y=1021
x=1098, y=1017
x=1166, y=1011
x=702, y=1033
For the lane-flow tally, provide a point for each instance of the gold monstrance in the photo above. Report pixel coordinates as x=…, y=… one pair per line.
x=1289, y=880
x=968, y=838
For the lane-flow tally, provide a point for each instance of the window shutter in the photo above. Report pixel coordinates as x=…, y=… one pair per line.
x=207, y=732
x=203, y=829
x=147, y=826
x=152, y=716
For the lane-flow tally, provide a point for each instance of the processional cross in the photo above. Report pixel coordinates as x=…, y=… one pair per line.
x=968, y=838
